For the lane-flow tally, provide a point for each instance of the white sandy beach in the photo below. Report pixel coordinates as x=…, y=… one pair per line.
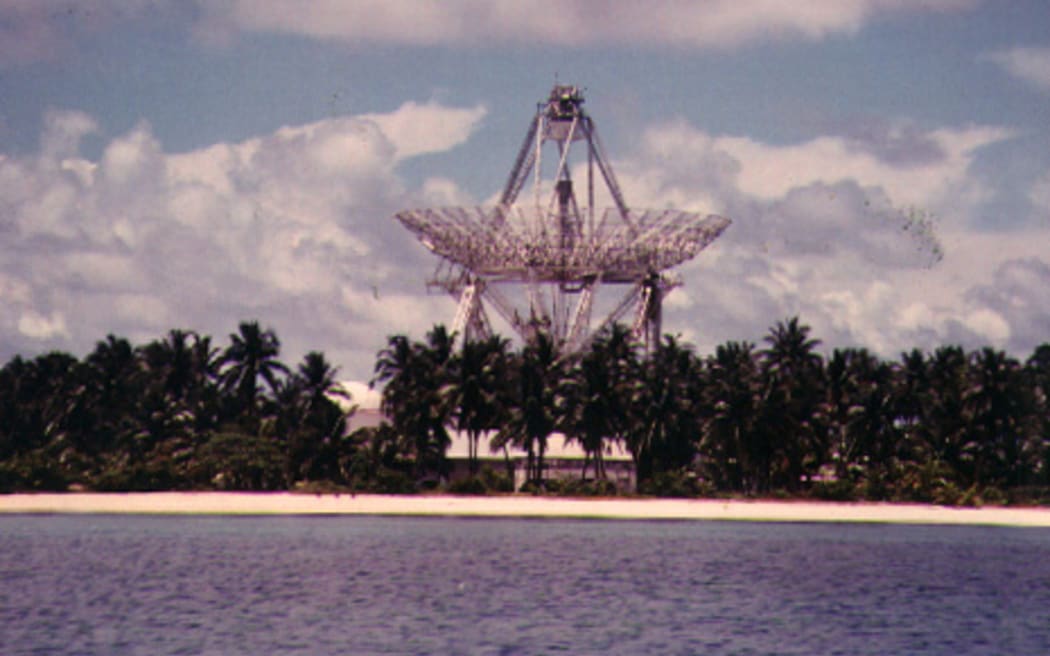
x=283, y=503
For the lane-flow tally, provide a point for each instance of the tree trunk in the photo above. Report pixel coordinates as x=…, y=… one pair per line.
x=472, y=452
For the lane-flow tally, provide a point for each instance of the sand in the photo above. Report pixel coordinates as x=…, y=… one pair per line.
x=283, y=503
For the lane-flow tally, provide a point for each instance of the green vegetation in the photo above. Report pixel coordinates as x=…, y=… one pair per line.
x=176, y=413
x=783, y=420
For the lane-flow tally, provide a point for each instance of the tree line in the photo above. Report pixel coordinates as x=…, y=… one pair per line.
x=780, y=418
x=176, y=413
x=949, y=426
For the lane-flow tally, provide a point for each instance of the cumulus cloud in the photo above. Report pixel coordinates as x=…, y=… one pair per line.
x=32, y=324
x=293, y=228
x=869, y=242
x=771, y=171
x=1031, y=65
x=413, y=128
x=1039, y=195
x=717, y=23
x=34, y=31
x=1018, y=297
x=363, y=396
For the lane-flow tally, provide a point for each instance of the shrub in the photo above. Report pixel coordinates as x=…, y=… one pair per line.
x=1030, y=495
x=928, y=482
x=319, y=487
x=532, y=487
x=142, y=477
x=679, y=483
x=841, y=490
x=576, y=487
x=993, y=496
x=392, y=481
x=876, y=487
x=33, y=471
x=497, y=481
x=947, y=493
x=238, y=461
x=470, y=485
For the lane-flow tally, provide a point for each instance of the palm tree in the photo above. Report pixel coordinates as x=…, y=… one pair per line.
x=251, y=355
x=180, y=375
x=45, y=423
x=1000, y=411
x=475, y=389
x=313, y=423
x=317, y=377
x=942, y=429
x=910, y=396
x=730, y=436
x=862, y=414
x=169, y=363
x=414, y=375
x=532, y=419
x=204, y=394
x=397, y=369
x=13, y=407
x=1037, y=373
x=435, y=358
x=666, y=424
x=393, y=365
x=113, y=378
x=792, y=371
x=594, y=397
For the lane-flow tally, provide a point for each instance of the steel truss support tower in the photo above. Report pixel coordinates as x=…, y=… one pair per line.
x=540, y=259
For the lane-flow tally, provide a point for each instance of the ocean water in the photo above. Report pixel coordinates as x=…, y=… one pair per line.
x=373, y=585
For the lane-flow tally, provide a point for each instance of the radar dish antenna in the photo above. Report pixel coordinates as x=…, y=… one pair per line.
x=540, y=262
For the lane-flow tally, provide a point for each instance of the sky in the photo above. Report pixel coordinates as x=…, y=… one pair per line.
x=180, y=164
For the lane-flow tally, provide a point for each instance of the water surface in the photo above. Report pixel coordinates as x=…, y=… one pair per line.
x=372, y=585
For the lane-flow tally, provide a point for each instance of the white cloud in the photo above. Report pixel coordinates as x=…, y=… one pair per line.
x=443, y=192
x=293, y=228
x=984, y=292
x=988, y=324
x=574, y=23
x=34, y=31
x=1018, y=293
x=416, y=129
x=40, y=327
x=1039, y=195
x=771, y=171
x=899, y=167
x=844, y=231
x=1031, y=65
x=63, y=131
x=361, y=395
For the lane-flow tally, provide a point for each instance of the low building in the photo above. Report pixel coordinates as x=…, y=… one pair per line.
x=563, y=460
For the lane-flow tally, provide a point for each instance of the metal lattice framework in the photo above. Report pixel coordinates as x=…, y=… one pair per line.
x=559, y=250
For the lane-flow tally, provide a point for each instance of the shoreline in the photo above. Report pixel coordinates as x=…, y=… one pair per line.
x=513, y=506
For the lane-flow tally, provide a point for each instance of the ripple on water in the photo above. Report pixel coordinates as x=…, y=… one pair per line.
x=357, y=585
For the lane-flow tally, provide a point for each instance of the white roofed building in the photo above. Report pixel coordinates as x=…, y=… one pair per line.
x=562, y=460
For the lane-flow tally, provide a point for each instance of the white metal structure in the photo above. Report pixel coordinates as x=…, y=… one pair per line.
x=556, y=250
